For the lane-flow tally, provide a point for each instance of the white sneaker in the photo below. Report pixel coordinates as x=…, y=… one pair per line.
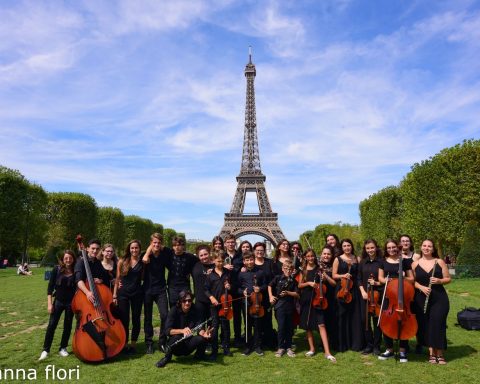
x=63, y=352
x=43, y=356
x=310, y=353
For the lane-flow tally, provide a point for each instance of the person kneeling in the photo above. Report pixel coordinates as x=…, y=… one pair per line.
x=181, y=322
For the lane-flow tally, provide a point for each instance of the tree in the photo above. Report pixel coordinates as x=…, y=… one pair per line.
x=22, y=214
x=316, y=238
x=380, y=215
x=111, y=226
x=468, y=260
x=69, y=214
x=168, y=235
x=139, y=229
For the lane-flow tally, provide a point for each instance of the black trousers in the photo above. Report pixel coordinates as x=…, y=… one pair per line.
x=223, y=324
x=187, y=346
x=203, y=310
x=238, y=312
x=255, y=326
x=160, y=299
x=373, y=334
x=58, y=308
x=269, y=337
x=133, y=304
x=389, y=342
x=285, y=328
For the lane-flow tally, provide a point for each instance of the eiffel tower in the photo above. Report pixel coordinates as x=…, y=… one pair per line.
x=251, y=179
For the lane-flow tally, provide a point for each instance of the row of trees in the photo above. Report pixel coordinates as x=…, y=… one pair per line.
x=437, y=199
x=316, y=238
x=33, y=220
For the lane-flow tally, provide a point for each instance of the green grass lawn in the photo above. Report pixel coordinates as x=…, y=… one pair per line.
x=23, y=320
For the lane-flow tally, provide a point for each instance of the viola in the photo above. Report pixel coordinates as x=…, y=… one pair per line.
x=344, y=294
x=256, y=309
x=98, y=334
x=397, y=321
x=226, y=309
x=319, y=300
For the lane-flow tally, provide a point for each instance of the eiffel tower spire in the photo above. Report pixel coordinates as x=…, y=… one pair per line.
x=251, y=178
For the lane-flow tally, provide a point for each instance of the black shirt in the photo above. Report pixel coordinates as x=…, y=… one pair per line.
x=283, y=283
x=98, y=272
x=215, y=284
x=180, y=269
x=199, y=275
x=245, y=280
x=391, y=269
x=177, y=319
x=154, y=272
x=61, y=286
x=131, y=282
x=366, y=268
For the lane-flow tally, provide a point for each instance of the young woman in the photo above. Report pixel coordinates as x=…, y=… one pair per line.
x=390, y=268
x=431, y=274
x=368, y=278
x=312, y=318
x=282, y=253
x=128, y=293
x=109, y=262
x=331, y=323
x=344, y=271
x=217, y=244
x=62, y=286
x=269, y=338
x=332, y=240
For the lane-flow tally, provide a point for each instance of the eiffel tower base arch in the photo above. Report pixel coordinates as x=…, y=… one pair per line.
x=265, y=226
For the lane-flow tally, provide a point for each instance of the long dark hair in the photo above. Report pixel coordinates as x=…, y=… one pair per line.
x=128, y=256
x=378, y=251
x=63, y=267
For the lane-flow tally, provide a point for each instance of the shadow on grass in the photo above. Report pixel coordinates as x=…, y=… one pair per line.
x=459, y=351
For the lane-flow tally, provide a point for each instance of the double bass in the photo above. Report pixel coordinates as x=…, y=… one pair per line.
x=98, y=334
x=397, y=321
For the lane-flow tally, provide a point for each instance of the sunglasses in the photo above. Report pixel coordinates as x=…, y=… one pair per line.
x=186, y=300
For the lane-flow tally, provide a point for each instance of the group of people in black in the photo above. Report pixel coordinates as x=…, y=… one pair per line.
x=332, y=293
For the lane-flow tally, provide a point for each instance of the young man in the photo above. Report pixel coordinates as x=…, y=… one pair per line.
x=181, y=319
x=252, y=281
x=282, y=292
x=100, y=275
x=179, y=270
x=216, y=284
x=156, y=259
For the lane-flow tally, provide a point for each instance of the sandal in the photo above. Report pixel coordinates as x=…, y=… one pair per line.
x=441, y=360
x=432, y=359
x=331, y=358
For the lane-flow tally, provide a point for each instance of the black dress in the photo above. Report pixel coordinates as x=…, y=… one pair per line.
x=350, y=333
x=310, y=318
x=432, y=325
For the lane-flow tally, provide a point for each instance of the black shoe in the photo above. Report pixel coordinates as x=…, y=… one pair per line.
x=226, y=352
x=376, y=351
x=386, y=355
x=212, y=357
x=149, y=350
x=259, y=351
x=246, y=352
x=162, y=363
x=367, y=351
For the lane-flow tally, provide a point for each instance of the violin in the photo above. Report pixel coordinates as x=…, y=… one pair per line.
x=319, y=300
x=98, y=335
x=397, y=321
x=372, y=300
x=344, y=294
x=226, y=309
x=256, y=309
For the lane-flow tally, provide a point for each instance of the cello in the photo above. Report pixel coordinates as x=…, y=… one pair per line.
x=397, y=320
x=226, y=309
x=98, y=335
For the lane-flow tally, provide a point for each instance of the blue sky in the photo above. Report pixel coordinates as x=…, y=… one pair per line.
x=141, y=103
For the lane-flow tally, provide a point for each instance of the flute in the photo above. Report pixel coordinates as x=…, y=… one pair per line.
x=429, y=287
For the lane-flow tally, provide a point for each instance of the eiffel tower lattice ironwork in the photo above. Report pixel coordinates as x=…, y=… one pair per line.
x=251, y=179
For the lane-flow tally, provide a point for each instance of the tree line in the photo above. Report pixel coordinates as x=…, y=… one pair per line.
x=438, y=199
x=40, y=223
